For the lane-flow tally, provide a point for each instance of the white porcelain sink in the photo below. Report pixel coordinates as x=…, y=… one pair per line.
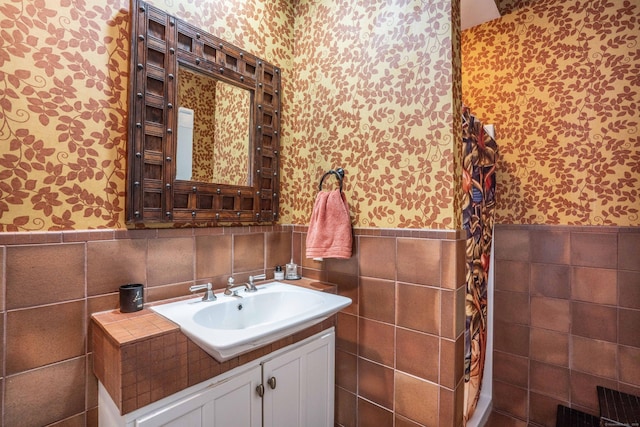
x=230, y=325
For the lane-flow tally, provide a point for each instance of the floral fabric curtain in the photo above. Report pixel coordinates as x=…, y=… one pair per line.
x=479, y=187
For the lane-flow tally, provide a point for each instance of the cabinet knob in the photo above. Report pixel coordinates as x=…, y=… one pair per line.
x=260, y=390
x=272, y=383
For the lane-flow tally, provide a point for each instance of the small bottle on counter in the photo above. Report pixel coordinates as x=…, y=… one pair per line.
x=292, y=271
x=279, y=274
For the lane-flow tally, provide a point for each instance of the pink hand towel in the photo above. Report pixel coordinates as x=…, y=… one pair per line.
x=329, y=234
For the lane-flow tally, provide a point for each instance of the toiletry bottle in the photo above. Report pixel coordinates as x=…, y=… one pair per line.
x=279, y=274
x=292, y=271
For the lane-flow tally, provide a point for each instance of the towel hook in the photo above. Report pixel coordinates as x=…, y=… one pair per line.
x=339, y=173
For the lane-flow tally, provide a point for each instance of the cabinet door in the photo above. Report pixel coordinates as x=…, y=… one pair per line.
x=299, y=386
x=233, y=402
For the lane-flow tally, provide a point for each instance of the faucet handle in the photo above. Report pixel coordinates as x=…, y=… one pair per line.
x=230, y=281
x=257, y=277
x=208, y=295
x=250, y=286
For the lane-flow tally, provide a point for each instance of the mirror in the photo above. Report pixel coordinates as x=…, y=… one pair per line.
x=204, y=127
x=213, y=130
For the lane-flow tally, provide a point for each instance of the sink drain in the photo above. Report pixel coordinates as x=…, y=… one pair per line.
x=239, y=306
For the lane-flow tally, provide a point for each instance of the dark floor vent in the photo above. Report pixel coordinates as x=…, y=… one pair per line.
x=618, y=408
x=567, y=417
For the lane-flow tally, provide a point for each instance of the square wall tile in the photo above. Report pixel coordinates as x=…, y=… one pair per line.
x=377, y=299
x=550, y=313
x=278, y=250
x=345, y=408
x=376, y=341
x=44, y=274
x=248, y=252
x=550, y=380
x=347, y=371
x=170, y=261
x=549, y=280
x=213, y=256
x=629, y=289
x=377, y=257
x=405, y=422
x=43, y=335
x=416, y=399
x=375, y=383
x=348, y=287
x=512, y=276
x=510, y=399
x=543, y=409
x=419, y=261
x=629, y=333
x=511, y=307
x=511, y=338
x=449, y=316
x=595, y=321
x=594, y=249
x=629, y=368
x=418, y=307
x=593, y=357
x=597, y=285
x=373, y=415
x=452, y=266
x=549, y=246
x=347, y=332
x=112, y=263
x=511, y=244
x=61, y=382
x=451, y=362
x=347, y=266
x=550, y=346
x=511, y=369
x=412, y=346
x=628, y=250
x=583, y=389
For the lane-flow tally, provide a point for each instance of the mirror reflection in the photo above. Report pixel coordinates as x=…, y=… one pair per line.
x=214, y=119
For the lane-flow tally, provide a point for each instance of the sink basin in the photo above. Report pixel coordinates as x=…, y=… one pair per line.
x=231, y=326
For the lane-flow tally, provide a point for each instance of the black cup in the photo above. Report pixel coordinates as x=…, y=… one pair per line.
x=131, y=297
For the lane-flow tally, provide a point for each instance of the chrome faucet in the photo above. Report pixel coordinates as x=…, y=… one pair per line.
x=208, y=295
x=231, y=290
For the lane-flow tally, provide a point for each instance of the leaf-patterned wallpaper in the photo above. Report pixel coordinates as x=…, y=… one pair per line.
x=375, y=93
x=561, y=82
x=63, y=100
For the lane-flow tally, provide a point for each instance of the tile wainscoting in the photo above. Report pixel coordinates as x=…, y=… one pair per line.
x=567, y=319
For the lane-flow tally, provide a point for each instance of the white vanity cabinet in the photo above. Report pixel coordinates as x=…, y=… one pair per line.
x=299, y=386
x=292, y=387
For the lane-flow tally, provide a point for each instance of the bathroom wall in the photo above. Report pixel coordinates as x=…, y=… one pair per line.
x=400, y=345
x=567, y=310
x=53, y=282
x=375, y=89
x=562, y=91
x=377, y=92
x=561, y=88
x=63, y=113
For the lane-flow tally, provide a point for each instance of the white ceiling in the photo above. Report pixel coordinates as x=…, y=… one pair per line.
x=475, y=12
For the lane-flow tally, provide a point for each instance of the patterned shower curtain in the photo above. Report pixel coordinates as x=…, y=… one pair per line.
x=479, y=188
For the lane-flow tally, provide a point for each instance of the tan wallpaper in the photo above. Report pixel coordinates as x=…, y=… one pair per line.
x=374, y=94
x=198, y=93
x=63, y=100
x=231, y=135
x=560, y=80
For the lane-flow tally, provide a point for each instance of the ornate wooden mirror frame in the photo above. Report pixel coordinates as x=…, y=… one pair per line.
x=159, y=43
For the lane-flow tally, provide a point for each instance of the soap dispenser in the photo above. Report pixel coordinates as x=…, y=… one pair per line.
x=292, y=271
